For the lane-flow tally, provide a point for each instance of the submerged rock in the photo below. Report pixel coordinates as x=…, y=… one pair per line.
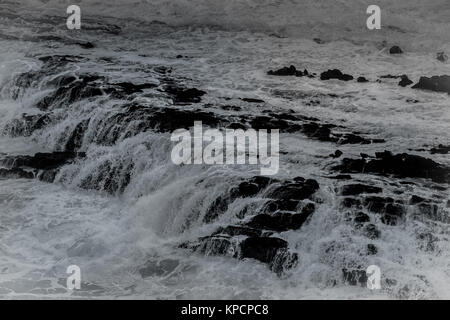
x=399, y=165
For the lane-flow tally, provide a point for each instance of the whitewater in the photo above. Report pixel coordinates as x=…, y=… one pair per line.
x=123, y=212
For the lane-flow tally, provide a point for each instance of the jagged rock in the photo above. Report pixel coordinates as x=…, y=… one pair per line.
x=435, y=83
x=183, y=95
x=26, y=125
x=15, y=173
x=360, y=218
x=270, y=250
x=395, y=50
x=441, y=149
x=158, y=267
x=404, y=81
x=356, y=189
x=336, y=154
x=335, y=74
x=399, y=165
x=43, y=161
x=252, y=100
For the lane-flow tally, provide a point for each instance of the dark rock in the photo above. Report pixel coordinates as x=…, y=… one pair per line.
x=282, y=221
x=263, y=249
x=355, y=277
x=393, y=214
x=371, y=249
x=252, y=100
x=405, y=81
x=360, y=218
x=335, y=74
x=435, y=83
x=288, y=71
x=351, y=202
x=86, y=45
x=416, y=199
x=341, y=177
x=15, y=173
x=399, y=165
x=336, y=154
x=238, y=231
x=362, y=80
x=356, y=189
x=395, y=50
x=371, y=231
x=295, y=191
x=441, y=149
x=442, y=57
x=43, y=161
x=182, y=95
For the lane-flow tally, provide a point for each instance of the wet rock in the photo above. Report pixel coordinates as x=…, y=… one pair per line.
x=244, y=189
x=404, y=81
x=395, y=50
x=360, y=218
x=183, y=95
x=393, y=214
x=341, y=177
x=158, y=268
x=416, y=199
x=362, y=79
x=335, y=74
x=76, y=137
x=351, y=202
x=336, y=154
x=442, y=57
x=371, y=231
x=43, y=161
x=86, y=45
x=282, y=221
x=288, y=71
x=26, y=125
x=371, y=249
x=400, y=165
x=252, y=100
x=435, y=83
x=15, y=173
x=295, y=191
x=355, y=277
x=238, y=231
x=441, y=149
x=263, y=249
x=356, y=189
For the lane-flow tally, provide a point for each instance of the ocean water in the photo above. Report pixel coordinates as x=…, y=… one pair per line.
x=154, y=206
